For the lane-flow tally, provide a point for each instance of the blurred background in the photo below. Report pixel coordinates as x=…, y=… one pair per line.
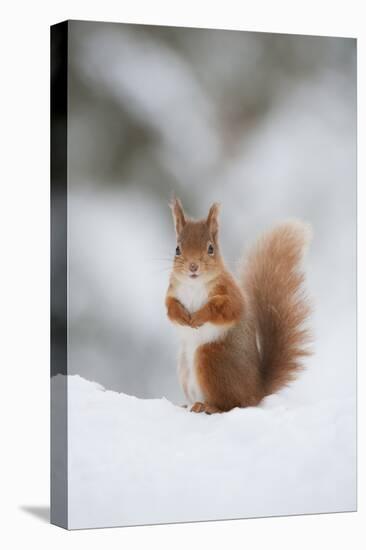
x=263, y=123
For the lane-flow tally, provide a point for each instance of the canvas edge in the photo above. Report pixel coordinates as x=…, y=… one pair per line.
x=58, y=252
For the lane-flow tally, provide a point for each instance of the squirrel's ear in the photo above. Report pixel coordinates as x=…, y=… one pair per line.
x=213, y=220
x=178, y=215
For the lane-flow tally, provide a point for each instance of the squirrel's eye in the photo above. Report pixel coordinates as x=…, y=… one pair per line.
x=177, y=251
x=210, y=249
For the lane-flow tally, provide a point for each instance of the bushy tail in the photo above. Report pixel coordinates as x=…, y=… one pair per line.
x=274, y=284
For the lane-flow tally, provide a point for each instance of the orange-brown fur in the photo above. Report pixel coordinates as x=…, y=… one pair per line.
x=275, y=285
x=263, y=313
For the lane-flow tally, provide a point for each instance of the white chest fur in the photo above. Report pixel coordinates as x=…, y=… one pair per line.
x=193, y=295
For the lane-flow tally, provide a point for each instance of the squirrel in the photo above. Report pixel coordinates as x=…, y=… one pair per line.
x=241, y=338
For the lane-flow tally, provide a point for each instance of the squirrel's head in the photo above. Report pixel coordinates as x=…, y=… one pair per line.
x=197, y=253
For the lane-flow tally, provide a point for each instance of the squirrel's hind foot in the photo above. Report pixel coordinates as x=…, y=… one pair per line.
x=199, y=407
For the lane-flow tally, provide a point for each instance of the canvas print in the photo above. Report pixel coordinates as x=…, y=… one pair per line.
x=203, y=274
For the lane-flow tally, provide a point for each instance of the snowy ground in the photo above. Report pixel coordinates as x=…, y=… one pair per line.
x=134, y=461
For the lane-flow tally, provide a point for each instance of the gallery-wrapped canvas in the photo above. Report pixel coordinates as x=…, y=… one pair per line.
x=203, y=274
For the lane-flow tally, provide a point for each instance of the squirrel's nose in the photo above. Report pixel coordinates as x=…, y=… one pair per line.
x=193, y=267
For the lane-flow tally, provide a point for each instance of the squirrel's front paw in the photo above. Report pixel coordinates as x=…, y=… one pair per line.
x=184, y=319
x=196, y=322
x=177, y=313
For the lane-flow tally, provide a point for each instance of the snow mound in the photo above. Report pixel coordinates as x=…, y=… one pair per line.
x=134, y=461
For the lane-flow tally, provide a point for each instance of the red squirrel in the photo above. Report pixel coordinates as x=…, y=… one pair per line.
x=241, y=339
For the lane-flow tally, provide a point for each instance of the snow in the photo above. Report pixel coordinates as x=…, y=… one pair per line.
x=143, y=461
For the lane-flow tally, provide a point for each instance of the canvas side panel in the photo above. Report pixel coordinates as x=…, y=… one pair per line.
x=59, y=68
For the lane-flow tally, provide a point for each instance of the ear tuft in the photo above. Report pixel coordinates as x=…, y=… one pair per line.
x=178, y=215
x=213, y=220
